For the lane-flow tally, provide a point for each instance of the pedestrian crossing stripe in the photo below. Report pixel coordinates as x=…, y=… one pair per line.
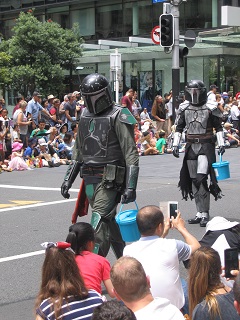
x=17, y=203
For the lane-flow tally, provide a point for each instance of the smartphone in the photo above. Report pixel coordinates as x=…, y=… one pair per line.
x=173, y=207
x=168, y=208
x=231, y=261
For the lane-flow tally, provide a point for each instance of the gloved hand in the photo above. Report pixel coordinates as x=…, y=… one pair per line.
x=64, y=189
x=221, y=150
x=176, y=152
x=129, y=196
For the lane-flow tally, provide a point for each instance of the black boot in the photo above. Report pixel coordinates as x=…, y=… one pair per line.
x=204, y=220
x=195, y=220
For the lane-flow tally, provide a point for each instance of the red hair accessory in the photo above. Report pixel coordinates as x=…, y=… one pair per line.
x=59, y=245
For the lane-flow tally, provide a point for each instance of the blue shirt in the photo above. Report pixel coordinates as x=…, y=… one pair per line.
x=33, y=108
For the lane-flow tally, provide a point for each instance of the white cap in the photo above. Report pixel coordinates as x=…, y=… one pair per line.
x=220, y=223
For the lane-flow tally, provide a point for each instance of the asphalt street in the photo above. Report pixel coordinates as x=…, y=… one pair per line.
x=33, y=211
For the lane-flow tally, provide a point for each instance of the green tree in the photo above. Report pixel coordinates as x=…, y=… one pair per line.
x=40, y=51
x=5, y=61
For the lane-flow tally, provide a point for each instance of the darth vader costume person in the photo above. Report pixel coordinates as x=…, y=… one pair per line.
x=106, y=156
x=199, y=119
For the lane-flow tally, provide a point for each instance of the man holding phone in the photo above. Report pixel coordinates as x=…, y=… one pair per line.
x=159, y=256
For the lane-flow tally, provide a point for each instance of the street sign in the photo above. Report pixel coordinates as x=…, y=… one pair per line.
x=155, y=35
x=157, y=1
x=190, y=38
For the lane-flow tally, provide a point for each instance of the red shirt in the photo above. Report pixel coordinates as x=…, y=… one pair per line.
x=94, y=269
x=127, y=102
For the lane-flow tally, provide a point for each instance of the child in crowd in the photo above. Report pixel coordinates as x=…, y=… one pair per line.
x=16, y=134
x=68, y=141
x=146, y=147
x=137, y=137
x=161, y=142
x=17, y=162
x=31, y=152
x=93, y=267
x=231, y=136
x=62, y=293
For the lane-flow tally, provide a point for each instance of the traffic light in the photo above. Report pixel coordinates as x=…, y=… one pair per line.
x=183, y=52
x=166, y=23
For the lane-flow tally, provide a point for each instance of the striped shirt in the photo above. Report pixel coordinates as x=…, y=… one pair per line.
x=73, y=309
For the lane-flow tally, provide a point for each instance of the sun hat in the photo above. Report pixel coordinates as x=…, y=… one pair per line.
x=227, y=125
x=220, y=223
x=145, y=126
x=16, y=146
x=63, y=125
x=51, y=96
x=42, y=142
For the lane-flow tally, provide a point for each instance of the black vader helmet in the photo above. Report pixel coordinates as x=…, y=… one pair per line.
x=96, y=93
x=196, y=92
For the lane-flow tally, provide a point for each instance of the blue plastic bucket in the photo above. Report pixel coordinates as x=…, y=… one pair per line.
x=221, y=169
x=128, y=225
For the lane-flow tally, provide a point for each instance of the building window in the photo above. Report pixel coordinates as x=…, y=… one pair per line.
x=109, y=21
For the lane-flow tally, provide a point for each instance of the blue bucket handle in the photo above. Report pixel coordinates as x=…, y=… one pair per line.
x=123, y=204
x=220, y=157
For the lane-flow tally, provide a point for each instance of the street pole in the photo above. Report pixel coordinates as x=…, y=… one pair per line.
x=115, y=66
x=175, y=57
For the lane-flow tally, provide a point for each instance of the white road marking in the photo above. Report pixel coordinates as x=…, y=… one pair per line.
x=35, y=253
x=21, y=256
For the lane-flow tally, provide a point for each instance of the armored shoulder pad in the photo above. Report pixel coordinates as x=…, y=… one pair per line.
x=184, y=105
x=125, y=116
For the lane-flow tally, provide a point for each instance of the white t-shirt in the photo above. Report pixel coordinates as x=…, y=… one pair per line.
x=160, y=259
x=159, y=308
x=211, y=96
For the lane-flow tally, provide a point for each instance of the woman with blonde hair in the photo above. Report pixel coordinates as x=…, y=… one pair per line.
x=209, y=298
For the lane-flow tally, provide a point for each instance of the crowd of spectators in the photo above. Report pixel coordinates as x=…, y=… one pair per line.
x=56, y=122
x=145, y=282
x=40, y=132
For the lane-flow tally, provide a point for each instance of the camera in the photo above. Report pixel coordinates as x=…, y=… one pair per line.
x=231, y=261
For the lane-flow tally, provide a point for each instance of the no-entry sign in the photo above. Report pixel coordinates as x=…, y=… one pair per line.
x=155, y=35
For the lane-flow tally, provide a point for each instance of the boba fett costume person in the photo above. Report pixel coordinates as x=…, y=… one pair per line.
x=106, y=156
x=198, y=119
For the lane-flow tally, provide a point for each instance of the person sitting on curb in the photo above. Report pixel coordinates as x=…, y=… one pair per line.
x=159, y=256
x=48, y=154
x=132, y=286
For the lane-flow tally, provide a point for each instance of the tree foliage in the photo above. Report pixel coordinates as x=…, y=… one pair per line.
x=5, y=60
x=40, y=51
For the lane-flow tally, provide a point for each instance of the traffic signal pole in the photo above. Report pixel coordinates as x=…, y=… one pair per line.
x=175, y=57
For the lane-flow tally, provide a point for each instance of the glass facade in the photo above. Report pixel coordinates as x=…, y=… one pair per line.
x=119, y=19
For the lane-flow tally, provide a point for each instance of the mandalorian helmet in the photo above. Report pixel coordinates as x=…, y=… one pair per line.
x=196, y=92
x=96, y=93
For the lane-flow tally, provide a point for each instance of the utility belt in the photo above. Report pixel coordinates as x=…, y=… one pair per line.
x=110, y=176
x=92, y=171
x=201, y=140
